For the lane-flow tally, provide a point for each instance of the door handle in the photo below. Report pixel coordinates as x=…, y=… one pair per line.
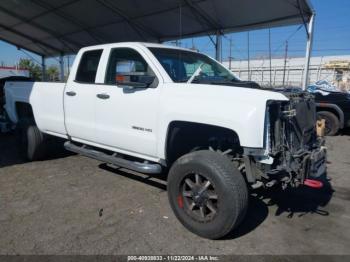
x=71, y=93
x=102, y=96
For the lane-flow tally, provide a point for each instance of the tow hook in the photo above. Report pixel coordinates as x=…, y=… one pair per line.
x=313, y=183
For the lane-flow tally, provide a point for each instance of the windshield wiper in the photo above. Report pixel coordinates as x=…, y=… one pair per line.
x=196, y=73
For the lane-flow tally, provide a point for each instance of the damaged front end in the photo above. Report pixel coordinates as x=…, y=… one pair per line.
x=293, y=152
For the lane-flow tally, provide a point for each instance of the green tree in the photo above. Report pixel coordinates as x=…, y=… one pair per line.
x=34, y=69
x=52, y=73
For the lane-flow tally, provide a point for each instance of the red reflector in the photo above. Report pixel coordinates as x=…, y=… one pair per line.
x=180, y=201
x=313, y=183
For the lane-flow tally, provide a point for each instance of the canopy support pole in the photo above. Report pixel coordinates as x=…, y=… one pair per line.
x=248, y=48
x=61, y=68
x=218, y=47
x=310, y=35
x=43, y=68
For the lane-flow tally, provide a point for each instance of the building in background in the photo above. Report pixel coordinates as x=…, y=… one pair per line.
x=6, y=71
x=290, y=71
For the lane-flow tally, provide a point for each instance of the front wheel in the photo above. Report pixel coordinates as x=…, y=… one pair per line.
x=207, y=193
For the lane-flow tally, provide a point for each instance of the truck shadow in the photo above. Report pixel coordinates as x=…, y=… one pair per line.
x=301, y=201
x=294, y=203
x=345, y=132
x=10, y=153
x=256, y=215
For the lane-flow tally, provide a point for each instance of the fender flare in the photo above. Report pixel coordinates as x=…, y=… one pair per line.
x=336, y=108
x=170, y=128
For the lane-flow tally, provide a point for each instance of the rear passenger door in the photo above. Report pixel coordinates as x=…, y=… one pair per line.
x=80, y=98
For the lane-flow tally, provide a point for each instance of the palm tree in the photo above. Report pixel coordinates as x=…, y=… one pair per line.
x=34, y=69
x=52, y=73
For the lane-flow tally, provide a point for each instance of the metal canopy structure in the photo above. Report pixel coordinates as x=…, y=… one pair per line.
x=52, y=28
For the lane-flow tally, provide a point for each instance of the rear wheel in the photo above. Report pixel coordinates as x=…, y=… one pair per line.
x=207, y=193
x=31, y=141
x=332, y=123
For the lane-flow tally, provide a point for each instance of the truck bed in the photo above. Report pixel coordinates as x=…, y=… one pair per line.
x=44, y=97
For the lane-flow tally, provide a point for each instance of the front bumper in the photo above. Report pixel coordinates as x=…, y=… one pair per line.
x=306, y=166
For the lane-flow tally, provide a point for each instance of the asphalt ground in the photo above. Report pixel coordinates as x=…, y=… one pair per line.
x=74, y=205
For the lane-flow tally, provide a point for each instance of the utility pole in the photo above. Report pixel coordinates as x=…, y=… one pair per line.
x=61, y=62
x=308, y=51
x=270, y=56
x=230, y=57
x=68, y=65
x=176, y=42
x=43, y=68
x=319, y=69
x=248, y=40
x=218, y=46
x=285, y=63
x=193, y=46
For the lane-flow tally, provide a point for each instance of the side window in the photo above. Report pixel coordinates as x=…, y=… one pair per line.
x=87, y=69
x=126, y=65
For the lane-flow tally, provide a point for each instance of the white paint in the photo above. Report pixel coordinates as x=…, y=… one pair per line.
x=108, y=123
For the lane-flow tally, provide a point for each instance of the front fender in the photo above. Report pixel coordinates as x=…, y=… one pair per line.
x=245, y=116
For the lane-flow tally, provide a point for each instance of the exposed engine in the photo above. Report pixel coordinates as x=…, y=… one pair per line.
x=292, y=140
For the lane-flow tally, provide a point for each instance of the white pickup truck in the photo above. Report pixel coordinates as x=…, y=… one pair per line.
x=152, y=108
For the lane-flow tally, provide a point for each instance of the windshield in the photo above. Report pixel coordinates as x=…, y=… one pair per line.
x=187, y=66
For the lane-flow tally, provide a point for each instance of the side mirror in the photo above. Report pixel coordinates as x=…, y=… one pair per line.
x=135, y=81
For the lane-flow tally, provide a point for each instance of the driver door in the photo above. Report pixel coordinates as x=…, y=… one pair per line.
x=126, y=116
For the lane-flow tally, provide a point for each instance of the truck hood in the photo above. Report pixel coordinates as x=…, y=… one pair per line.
x=288, y=92
x=240, y=109
x=243, y=91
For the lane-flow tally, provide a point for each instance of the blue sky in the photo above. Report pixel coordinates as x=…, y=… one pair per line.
x=332, y=37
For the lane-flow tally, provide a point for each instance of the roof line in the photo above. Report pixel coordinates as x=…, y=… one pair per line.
x=203, y=15
x=47, y=12
x=20, y=46
x=266, y=22
x=29, y=37
x=200, y=13
x=135, y=25
x=67, y=18
x=232, y=29
x=4, y=10
x=88, y=28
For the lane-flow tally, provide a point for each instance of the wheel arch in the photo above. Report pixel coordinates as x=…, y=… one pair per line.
x=184, y=136
x=24, y=110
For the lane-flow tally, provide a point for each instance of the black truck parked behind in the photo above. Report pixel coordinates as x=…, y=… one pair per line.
x=334, y=107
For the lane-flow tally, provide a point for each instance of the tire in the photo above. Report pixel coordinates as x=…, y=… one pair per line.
x=225, y=183
x=331, y=121
x=31, y=141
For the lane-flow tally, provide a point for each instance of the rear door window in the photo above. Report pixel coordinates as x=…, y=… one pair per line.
x=88, y=66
